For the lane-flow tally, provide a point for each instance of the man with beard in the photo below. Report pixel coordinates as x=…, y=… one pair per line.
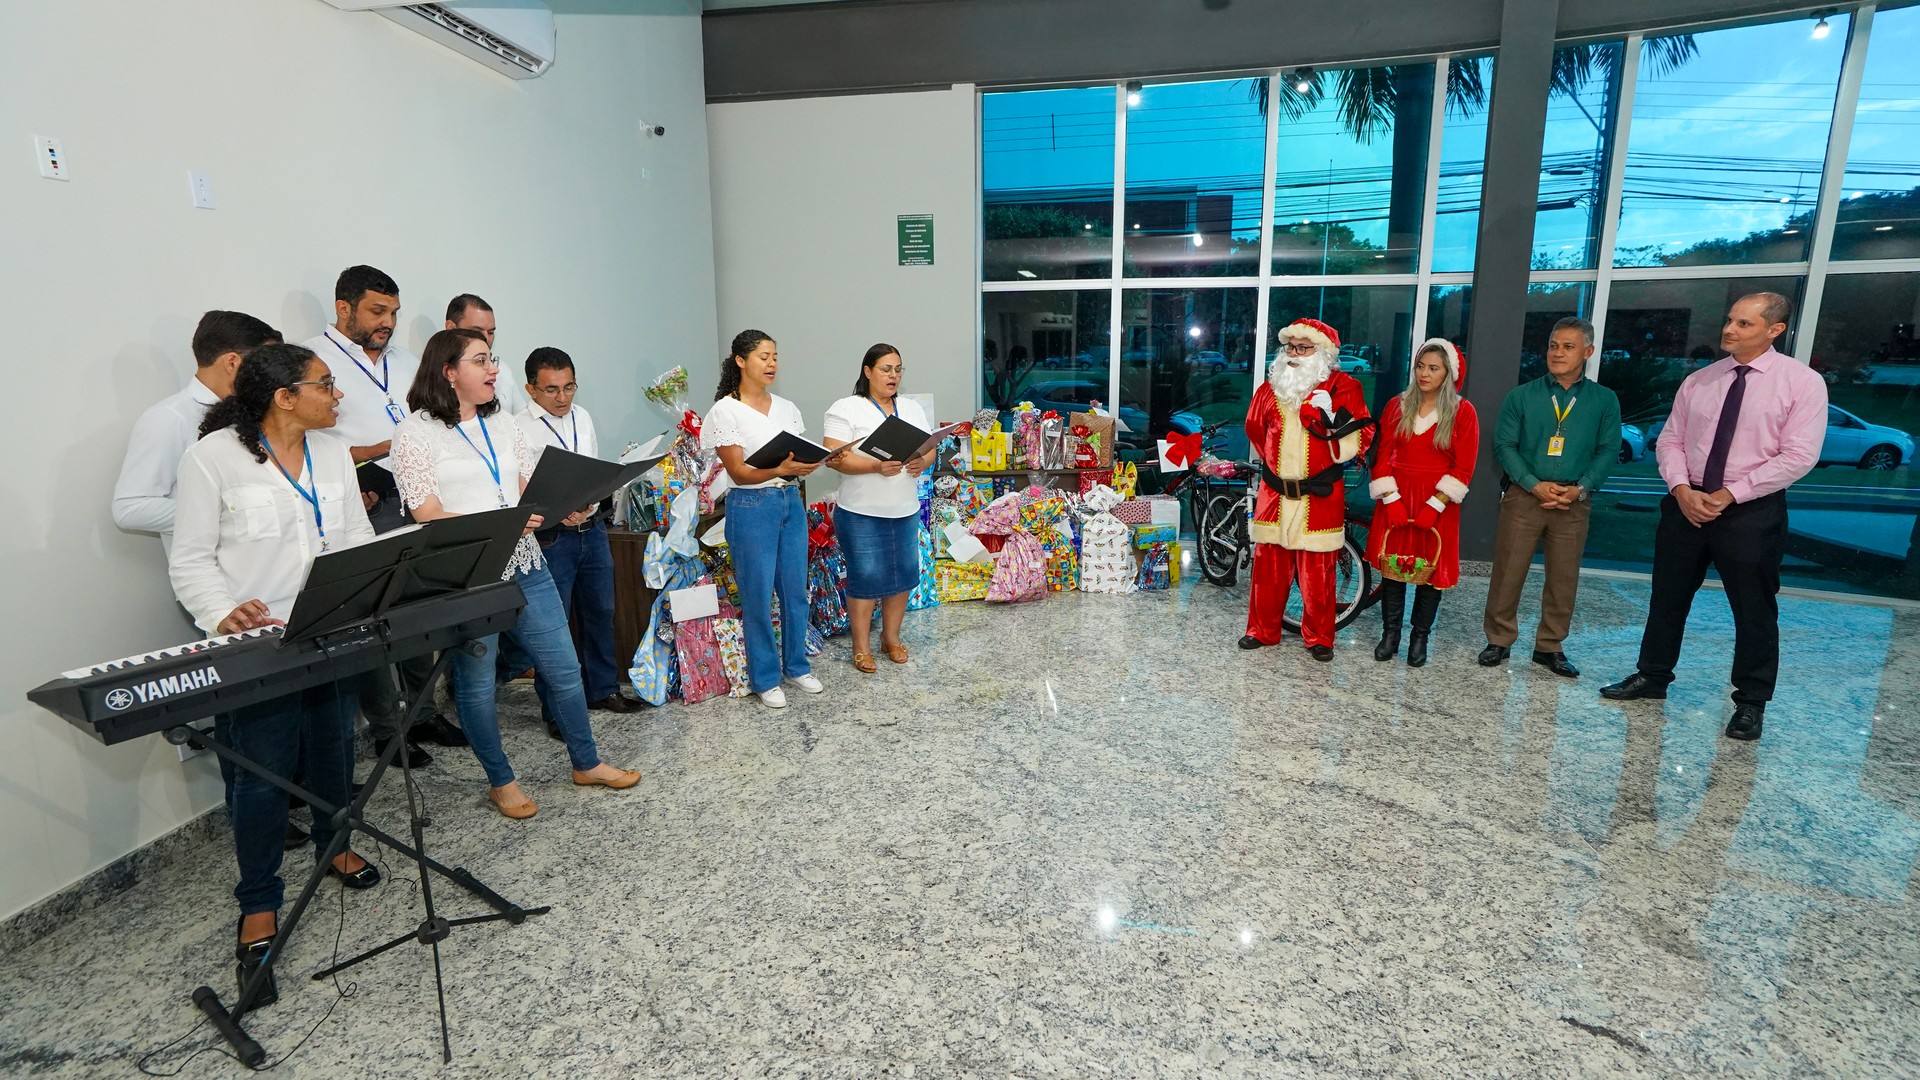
x=1306, y=421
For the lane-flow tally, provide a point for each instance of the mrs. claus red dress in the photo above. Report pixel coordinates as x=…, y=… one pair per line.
x=1415, y=467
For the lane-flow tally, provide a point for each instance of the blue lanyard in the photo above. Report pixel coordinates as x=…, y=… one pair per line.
x=385, y=380
x=876, y=407
x=313, y=496
x=556, y=433
x=491, y=459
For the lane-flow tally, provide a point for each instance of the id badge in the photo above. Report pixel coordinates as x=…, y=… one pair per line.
x=396, y=414
x=1556, y=446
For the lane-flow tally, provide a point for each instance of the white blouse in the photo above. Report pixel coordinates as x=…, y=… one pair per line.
x=852, y=419
x=732, y=422
x=242, y=531
x=456, y=464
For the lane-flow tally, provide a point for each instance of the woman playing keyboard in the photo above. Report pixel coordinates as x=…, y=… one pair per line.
x=264, y=491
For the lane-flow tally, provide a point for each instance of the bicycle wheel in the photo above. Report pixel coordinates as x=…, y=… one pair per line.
x=1352, y=589
x=1219, y=535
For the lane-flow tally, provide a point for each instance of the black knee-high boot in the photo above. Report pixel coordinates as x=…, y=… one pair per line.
x=1426, y=602
x=1393, y=605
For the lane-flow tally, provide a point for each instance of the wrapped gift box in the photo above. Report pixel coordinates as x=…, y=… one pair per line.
x=1148, y=535
x=961, y=581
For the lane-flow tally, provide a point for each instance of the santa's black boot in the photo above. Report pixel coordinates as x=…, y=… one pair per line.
x=1393, y=605
x=1426, y=602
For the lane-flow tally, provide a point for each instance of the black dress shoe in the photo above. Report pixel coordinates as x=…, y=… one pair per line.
x=1634, y=686
x=553, y=728
x=295, y=837
x=1745, y=724
x=1495, y=655
x=416, y=757
x=1248, y=641
x=437, y=729
x=364, y=878
x=1556, y=662
x=252, y=954
x=1322, y=653
x=616, y=702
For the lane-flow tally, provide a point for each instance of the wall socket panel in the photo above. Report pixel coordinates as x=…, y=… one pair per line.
x=52, y=157
x=200, y=188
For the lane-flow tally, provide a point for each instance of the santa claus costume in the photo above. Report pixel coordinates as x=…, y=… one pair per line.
x=1306, y=421
x=1428, y=441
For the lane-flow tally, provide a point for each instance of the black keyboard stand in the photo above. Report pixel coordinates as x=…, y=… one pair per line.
x=348, y=820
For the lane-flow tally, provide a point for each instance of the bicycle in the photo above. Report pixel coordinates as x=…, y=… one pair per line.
x=1224, y=548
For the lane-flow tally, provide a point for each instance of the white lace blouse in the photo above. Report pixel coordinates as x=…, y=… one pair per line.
x=456, y=464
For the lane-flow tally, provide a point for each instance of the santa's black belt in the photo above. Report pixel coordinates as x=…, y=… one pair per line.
x=1318, y=486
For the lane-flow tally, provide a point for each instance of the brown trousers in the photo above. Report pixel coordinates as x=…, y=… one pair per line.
x=1523, y=525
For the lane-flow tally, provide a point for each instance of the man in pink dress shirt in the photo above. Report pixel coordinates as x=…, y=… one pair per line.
x=1743, y=428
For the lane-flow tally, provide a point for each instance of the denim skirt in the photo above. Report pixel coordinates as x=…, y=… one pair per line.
x=883, y=554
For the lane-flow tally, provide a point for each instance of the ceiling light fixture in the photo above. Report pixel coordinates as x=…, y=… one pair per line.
x=1821, y=29
x=1303, y=79
x=1133, y=92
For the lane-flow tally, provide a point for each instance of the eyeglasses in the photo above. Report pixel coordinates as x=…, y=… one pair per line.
x=555, y=391
x=486, y=361
x=1301, y=348
x=901, y=370
x=324, y=384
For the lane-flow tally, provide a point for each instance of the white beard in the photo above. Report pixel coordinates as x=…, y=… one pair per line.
x=1292, y=383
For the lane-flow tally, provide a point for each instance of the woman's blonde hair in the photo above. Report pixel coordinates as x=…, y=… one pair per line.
x=1446, y=400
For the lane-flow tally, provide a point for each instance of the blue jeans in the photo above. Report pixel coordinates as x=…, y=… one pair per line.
x=767, y=536
x=310, y=731
x=542, y=632
x=582, y=568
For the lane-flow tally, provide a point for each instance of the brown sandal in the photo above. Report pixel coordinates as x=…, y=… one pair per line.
x=896, y=653
x=864, y=662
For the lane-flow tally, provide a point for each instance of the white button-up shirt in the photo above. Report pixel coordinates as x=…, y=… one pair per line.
x=573, y=431
x=364, y=417
x=243, y=532
x=143, y=496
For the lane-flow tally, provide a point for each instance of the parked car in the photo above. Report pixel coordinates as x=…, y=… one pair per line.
x=1358, y=359
x=1066, y=396
x=1214, y=362
x=1849, y=441
x=1852, y=441
x=1633, y=443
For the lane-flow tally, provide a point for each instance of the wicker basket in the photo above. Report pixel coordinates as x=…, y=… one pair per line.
x=1412, y=569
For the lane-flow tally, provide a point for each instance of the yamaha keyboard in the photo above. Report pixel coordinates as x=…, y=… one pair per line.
x=123, y=699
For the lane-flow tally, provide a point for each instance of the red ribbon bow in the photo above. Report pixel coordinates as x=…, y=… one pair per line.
x=1082, y=430
x=1049, y=415
x=690, y=423
x=1182, y=449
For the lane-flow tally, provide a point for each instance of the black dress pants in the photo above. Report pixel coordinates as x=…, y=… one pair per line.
x=1744, y=544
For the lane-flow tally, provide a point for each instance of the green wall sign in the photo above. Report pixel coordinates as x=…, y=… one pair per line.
x=916, y=239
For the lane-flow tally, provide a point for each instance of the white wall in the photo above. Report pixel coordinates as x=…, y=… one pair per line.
x=331, y=138
x=806, y=197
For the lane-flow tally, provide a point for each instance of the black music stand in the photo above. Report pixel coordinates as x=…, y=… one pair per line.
x=349, y=596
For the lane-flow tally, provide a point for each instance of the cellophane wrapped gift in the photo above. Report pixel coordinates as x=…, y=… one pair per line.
x=1126, y=479
x=1093, y=478
x=1020, y=569
x=955, y=582
x=986, y=420
x=720, y=565
x=672, y=561
x=1053, y=441
x=1154, y=572
x=1023, y=450
x=1046, y=520
x=826, y=572
x=945, y=513
x=703, y=672
x=1106, y=553
x=731, y=636
x=927, y=593
x=1099, y=437
x=957, y=451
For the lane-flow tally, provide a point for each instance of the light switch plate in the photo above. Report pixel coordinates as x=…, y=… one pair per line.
x=200, y=188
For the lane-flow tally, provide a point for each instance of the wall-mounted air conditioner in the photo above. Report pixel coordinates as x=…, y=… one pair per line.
x=513, y=37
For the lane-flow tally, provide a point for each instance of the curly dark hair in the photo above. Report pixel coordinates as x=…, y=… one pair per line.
x=431, y=391
x=262, y=374
x=744, y=342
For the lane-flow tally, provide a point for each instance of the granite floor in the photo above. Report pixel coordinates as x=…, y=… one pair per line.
x=1090, y=838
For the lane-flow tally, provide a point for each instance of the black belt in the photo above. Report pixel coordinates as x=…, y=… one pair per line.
x=1318, y=486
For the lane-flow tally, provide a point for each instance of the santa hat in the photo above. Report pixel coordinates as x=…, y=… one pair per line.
x=1456, y=361
x=1324, y=337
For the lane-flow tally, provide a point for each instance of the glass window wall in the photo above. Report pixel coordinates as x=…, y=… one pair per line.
x=1195, y=152
x=1046, y=168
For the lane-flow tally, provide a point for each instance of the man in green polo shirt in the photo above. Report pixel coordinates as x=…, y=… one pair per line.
x=1557, y=440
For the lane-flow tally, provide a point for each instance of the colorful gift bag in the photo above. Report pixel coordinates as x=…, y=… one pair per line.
x=720, y=566
x=973, y=497
x=672, y=561
x=945, y=512
x=1093, y=478
x=826, y=572
x=1046, y=520
x=1004, y=484
x=1154, y=572
x=1126, y=479
x=1106, y=555
x=1020, y=569
x=927, y=592
x=731, y=637
x=954, y=582
x=1098, y=437
x=1023, y=449
x=703, y=673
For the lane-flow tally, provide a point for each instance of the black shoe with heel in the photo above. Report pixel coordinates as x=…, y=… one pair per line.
x=252, y=956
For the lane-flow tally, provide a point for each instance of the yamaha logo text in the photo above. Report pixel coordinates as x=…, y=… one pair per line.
x=147, y=693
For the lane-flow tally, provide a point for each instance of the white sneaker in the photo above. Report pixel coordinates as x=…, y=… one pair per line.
x=809, y=682
x=775, y=698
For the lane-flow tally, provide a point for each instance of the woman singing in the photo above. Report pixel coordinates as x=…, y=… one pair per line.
x=262, y=493
x=1429, y=438
x=877, y=514
x=766, y=521
x=452, y=457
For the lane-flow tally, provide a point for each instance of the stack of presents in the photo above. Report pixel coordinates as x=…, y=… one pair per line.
x=982, y=537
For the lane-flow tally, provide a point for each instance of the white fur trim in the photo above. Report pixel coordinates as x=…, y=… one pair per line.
x=1303, y=332
x=1386, y=485
x=1452, y=488
x=1424, y=422
x=1439, y=505
x=1389, y=497
x=1448, y=349
x=1347, y=448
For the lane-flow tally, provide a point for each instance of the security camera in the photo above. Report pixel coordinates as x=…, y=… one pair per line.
x=655, y=130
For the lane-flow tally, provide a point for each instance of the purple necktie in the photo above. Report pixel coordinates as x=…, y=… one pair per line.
x=1711, y=480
